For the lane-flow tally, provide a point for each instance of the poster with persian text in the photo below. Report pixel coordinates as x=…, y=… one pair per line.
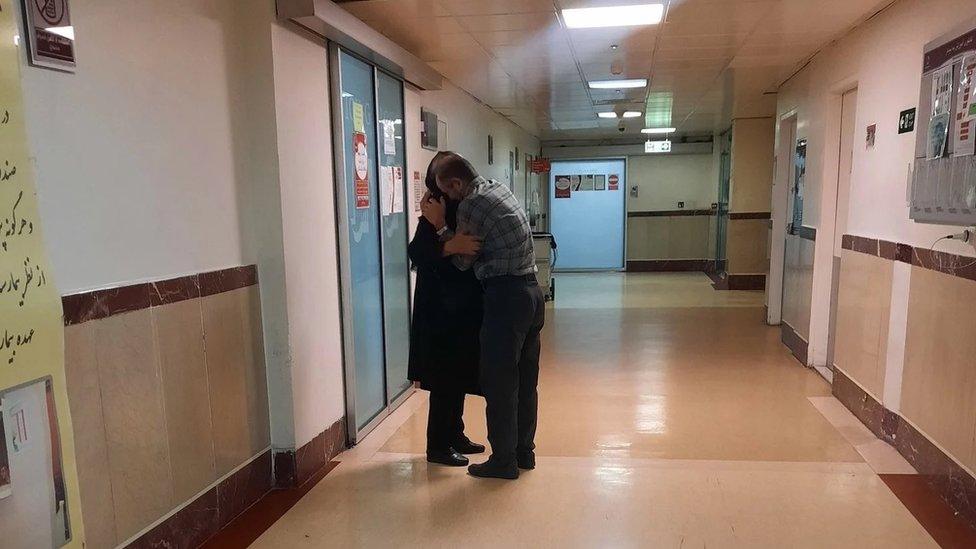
x=32, y=378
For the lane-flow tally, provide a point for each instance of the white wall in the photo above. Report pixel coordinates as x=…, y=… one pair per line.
x=883, y=59
x=469, y=124
x=664, y=180
x=301, y=76
x=134, y=152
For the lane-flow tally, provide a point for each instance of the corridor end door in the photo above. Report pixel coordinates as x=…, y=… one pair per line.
x=370, y=161
x=586, y=214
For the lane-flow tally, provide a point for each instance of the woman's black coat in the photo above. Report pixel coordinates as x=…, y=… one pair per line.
x=447, y=309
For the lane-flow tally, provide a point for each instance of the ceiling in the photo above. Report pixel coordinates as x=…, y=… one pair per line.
x=707, y=62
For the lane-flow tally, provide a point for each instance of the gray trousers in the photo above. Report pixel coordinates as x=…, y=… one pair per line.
x=515, y=313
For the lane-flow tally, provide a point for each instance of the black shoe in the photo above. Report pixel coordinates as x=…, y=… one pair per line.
x=465, y=446
x=526, y=460
x=490, y=469
x=447, y=457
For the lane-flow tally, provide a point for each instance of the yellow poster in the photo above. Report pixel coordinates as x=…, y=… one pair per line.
x=358, y=118
x=33, y=398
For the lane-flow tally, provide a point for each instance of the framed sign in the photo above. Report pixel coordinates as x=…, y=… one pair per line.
x=906, y=121
x=50, y=35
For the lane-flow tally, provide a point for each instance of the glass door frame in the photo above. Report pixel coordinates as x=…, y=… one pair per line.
x=353, y=433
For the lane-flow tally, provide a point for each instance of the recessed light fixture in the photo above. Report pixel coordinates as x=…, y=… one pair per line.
x=610, y=114
x=632, y=114
x=658, y=130
x=614, y=46
x=618, y=84
x=614, y=16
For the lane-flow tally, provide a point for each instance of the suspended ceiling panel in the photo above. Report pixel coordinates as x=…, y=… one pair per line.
x=709, y=61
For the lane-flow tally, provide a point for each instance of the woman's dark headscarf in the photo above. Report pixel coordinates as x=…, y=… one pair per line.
x=436, y=194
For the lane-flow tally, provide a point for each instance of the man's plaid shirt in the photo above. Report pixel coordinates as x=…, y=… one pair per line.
x=491, y=212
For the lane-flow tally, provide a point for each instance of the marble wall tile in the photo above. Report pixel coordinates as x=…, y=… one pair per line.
x=179, y=337
x=91, y=448
x=256, y=379
x=747, y=246
x=242, y=489
x=227, y=372
x=863, y=310
x=189, y=528
x=939, y=380
x=132, y=404
x=689, y=238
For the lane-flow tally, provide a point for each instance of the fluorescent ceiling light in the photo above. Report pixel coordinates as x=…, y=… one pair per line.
x=658, y=130
x=614, y=16
x=610, y=114
x=67, y=32
x=618, y=84
x=632, y=114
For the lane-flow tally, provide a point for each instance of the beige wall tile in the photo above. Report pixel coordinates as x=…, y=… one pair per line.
x=746, y=249
x=689, y=238
x=863, y=309
x=135, y=427
x=227, y=374
x=752, y=165
x=179, y=336
x=647, y=238
x=259, y=419
x=939, y=381
x=91, y=449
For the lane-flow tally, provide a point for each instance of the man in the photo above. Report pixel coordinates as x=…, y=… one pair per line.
x=514, y=311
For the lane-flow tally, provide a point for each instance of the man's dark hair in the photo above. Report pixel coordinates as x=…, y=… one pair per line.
x=451, y=165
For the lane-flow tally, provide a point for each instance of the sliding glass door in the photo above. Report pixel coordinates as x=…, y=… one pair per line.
x=368, y=143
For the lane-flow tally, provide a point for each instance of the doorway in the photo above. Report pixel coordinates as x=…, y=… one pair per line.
x=587, y=214
x=845, y=168
x=370, y=161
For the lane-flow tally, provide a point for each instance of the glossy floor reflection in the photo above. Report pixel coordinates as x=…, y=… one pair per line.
x=670, y=416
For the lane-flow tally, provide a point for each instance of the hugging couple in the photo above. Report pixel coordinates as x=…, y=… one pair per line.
x=478, y=314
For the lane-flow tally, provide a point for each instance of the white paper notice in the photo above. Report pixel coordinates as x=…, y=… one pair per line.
x=386, y=190
x=397, y=189
x=965, y=138
x=389, y=138
x=418, y=191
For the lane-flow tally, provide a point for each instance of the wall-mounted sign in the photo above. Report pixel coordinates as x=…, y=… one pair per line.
x=563, y=187
x=871, y=135
x=361, y=163
x=541, y=165
x=653, y=147
x=613, y=182
x=906, y=121
x=50, y=36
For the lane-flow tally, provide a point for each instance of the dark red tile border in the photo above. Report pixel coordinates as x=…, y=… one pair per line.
x=80, y=308
x=753, y=282
x=295, y=467
x=806, y=233
x=959, y=266
x=672, y=213
x=938, y=519
x=670, y=265
x=97, y=304
x=204, y=517
x=248, y=527
x=946, y=477
x=750, y=215
x=794, y=342
x=227, y=279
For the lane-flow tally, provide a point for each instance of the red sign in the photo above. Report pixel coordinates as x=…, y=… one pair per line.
x=613, y=182
x=361, y=169
x=541, y=165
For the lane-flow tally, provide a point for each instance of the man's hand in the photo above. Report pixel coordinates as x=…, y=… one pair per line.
x=462, y=244
x=435, y=211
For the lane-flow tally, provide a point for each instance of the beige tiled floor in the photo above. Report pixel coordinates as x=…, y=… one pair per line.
x=670, y=417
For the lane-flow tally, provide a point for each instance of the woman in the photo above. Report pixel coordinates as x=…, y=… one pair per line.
x=444, y=336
